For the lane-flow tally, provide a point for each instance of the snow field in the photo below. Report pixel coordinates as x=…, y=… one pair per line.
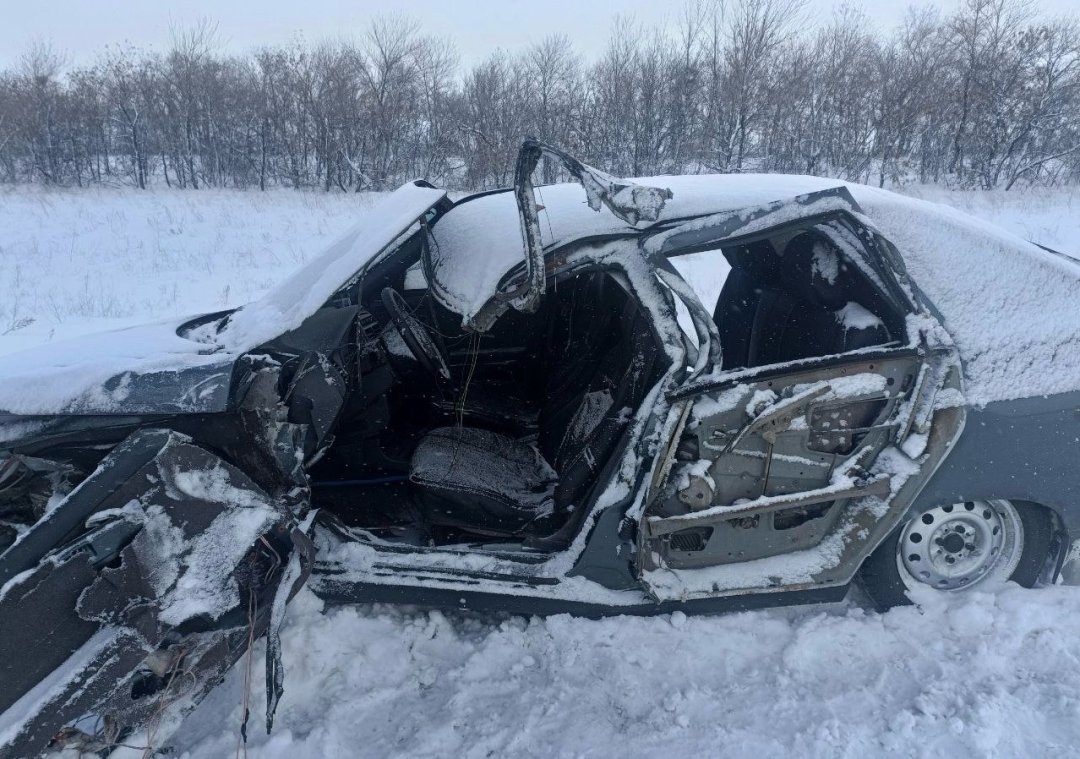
x=993, y=674
x=987, y=674
x=75, y=262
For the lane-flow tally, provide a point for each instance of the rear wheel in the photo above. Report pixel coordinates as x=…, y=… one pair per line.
x=958, y=546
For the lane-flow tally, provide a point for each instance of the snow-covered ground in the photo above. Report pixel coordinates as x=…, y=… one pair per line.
x=988, y=674
x=995, y=673
x=75, y=262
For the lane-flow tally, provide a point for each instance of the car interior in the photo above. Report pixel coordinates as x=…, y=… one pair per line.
x=500, y=437
x=795, y=295
x=463, y=437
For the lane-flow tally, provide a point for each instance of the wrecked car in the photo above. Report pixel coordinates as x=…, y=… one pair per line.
x=698, y=393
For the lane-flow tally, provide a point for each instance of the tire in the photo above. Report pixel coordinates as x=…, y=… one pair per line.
x=946, y=548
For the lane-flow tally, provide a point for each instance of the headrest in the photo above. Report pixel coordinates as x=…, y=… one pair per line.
x=815, y=270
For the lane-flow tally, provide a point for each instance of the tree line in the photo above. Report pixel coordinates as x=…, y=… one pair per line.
x=985, y=96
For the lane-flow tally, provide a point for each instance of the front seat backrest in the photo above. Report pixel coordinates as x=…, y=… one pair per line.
x=582, y=420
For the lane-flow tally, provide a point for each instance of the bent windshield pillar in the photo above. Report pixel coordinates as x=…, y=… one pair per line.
x=628, y=201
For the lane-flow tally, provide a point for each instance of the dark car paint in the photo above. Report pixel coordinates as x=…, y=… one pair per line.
x=335, y=591
x=97, y=586
x=1023, y=450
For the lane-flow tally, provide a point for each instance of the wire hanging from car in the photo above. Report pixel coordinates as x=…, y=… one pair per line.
x=474, y=355
x=551, y=230
x=241, y=740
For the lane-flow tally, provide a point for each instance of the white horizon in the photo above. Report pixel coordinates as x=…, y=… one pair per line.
x=82, y=30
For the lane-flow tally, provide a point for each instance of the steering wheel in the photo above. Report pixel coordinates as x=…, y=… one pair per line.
x=416, y=337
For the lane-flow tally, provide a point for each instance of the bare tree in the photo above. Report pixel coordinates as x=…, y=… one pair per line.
x=755, y=30
x=552, y=94
x=987, y=96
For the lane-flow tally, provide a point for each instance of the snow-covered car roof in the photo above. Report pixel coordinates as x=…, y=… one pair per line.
x=479, y=239
x=1011, y=306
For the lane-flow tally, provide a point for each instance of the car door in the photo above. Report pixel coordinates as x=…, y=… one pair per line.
x=784, y=475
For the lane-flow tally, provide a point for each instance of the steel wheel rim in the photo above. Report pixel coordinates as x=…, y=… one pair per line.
x=957, y=546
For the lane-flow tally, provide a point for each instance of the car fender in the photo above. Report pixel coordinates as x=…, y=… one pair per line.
x=180, y=562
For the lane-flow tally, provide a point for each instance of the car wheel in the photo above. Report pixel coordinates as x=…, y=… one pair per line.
x=959, y=546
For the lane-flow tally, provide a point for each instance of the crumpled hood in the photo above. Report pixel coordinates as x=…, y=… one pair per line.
x=143, y=369
x=151, y=369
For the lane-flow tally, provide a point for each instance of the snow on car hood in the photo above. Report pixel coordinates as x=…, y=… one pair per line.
x=141, y=369
x=152, y=369
x=1009, y=305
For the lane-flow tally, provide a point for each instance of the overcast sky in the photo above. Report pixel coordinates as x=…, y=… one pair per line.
x=83, y=27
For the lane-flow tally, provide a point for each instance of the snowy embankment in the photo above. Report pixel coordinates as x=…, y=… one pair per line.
x=988, y=674
x=75, y=262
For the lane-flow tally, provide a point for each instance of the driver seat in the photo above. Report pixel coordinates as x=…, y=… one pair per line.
x=484, y=481
x=601, y=357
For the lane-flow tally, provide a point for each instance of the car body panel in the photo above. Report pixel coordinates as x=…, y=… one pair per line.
x=138, y=369
x=1022, y=450
x=805, y=486
x=107, y=619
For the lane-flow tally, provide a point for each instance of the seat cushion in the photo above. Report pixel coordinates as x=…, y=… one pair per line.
x=482, y=480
